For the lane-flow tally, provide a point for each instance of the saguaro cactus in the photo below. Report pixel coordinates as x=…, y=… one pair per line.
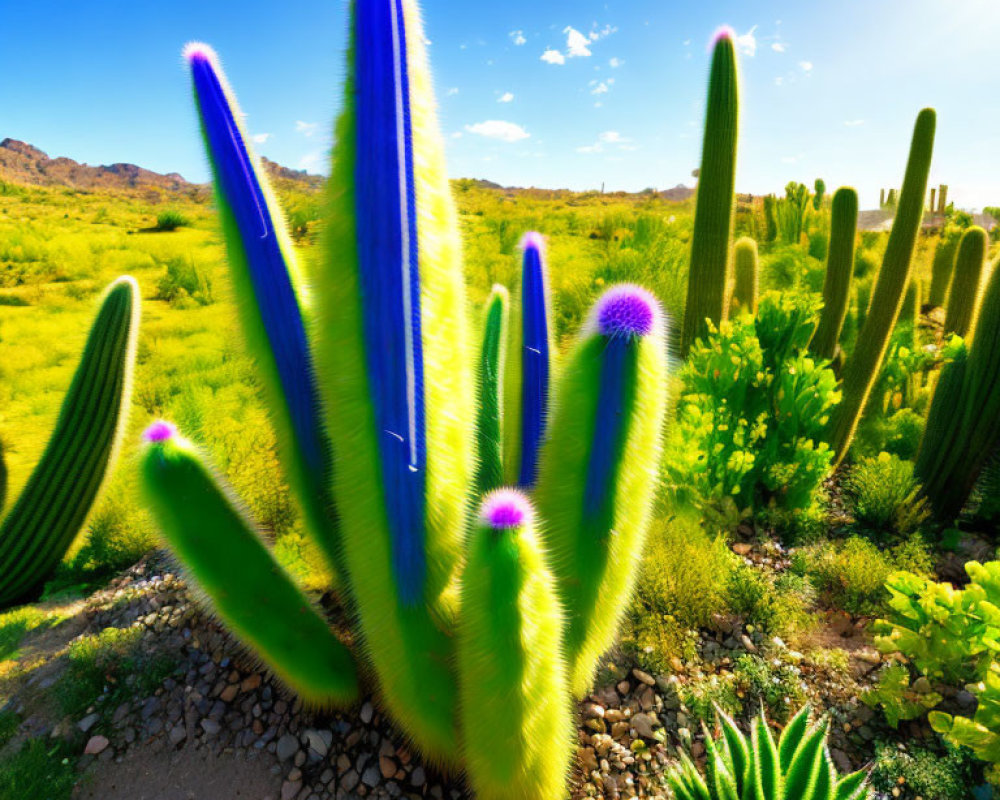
x=595, y=488
x=492, y=358
x=839, y=273
x=745, y=285
x=65, y=484
x=232, y=565
x=863, y=367
x=271, y=297
x=770, y=218
x=713, y=216
x=963, y=300
x=529, y=363
x=515, y=706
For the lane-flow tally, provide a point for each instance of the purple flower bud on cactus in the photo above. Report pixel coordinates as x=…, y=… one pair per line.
x=722, y=32
x=626, y=310
x=505, y=508
x=159, y=431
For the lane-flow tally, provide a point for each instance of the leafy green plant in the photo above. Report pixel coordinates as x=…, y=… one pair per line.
x=170, y=220
x=884, y=495
x=921, y=771
x=185, y=281
x=797, y=766
x=981, y=733
x=897, y=698
x=41, y=768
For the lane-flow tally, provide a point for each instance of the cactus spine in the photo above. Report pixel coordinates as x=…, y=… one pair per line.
x=489, y=430
x=863, y=367
x=271, y=297
x=595, y=487
x=963, y=424
x=713, y=217
x=839, y=273
x=398, y=395
x=230, y=563
x=530, y=365
x=516, y=721
x=66, y=482
x=963, y=299
x=745, y=285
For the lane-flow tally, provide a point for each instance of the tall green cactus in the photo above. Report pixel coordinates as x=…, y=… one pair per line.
x=66, y=483
x=489, y=428
x=595, y=487
x=232, y=565
x=963, y=299
x=745, y=283
x=863, y=367
x=713, y=216
x=839, y=274
x=943, y=265
x=516, y=720
x=963, y=425
x=770, y=218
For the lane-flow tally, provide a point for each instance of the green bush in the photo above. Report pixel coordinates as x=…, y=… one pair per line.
x=774, y=684
x=170, y=220
x=777, y=606
x=185, y=283
x=751, y=413
x=981, y=733
x=885, y=497
x=919, y=771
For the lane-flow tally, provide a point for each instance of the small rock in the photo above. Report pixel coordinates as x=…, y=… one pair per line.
x=290, y=789
x=593, y=710
x=88, y=722
x=288, y=745
x=742, y=548
x=387, y=766
x=367, y=712
x=229, y=693
x=96, y=745
x=251, y=683
x=643, y=677
x=210, y=726
x=418, y=778
x=371, y=776
x=644, y=725
x=319, y=741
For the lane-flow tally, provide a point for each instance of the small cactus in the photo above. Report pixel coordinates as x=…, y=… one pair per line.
x=963, y=299
x=58, y=497
x=713, y=216
x=745, y=285
x=839, y=274
x=492, y=358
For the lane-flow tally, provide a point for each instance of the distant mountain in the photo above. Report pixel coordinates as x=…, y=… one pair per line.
x=23, y=163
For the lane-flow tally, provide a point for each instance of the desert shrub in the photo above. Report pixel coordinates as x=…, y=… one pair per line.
x=185, y=283
x=884, y=495
x=911, y=769
x=775, y=605
x=171, y=219
x=773, y=684
x=851, y=575
x=701, y=696
x=752, y=411
x=819, y=243
x=897, y=434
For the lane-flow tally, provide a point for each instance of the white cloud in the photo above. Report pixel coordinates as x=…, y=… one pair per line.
x=778, y=47
x=576, y=43
x=746, y=43
x=310, y=161
x=614, y=63
x=612, y=137
x=601, y=88
x=499, y=129
x=306, y=128
x=260, y=138
x=806, y=66
x=853, y=123
x=456, y=135
x=517, y=37
x=597, y=35
x=506, y=97
x=452, y=91
x=553, y=57
x=589, y=148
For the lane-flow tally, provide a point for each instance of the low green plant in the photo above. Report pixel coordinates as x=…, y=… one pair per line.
x=912, y=769
x=797, y=766
x=898, y=699
x=777, y=606
x=18, y=623
x=170, y=220
x=773, y=684
x=884, y=495
x=981, y=733
x=185, y=283
x=42, y=769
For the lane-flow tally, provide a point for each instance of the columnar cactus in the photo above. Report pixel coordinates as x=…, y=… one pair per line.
x=713, y=216
x=864, y=364
x=963, y=299
x=271, y=297
x=460, y=614
x=770, y=218
x=55, y=503
x=963, y=424
x=839, y=273
x=595, y=488
x=492, y=365
x=233, y=567
x=516, y=717
x=529, y=364
x=745, y=284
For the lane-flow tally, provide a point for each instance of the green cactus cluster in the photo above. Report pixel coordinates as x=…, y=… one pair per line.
x=480, y=611
x=746, y=281
x=66, y=483
x=839, y=274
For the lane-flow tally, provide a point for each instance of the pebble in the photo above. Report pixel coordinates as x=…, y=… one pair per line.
x=88, y=722
x=96, y=745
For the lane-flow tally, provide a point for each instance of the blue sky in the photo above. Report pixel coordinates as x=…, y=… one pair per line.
x=551, y=94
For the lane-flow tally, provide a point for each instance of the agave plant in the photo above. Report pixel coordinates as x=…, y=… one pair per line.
x=797, y=767
x=480, y=612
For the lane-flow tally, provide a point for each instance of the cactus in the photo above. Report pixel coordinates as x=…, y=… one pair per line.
x=770, y=218
x=820, y=187
x=881, y=198
x=745, y=288
x=943, y=199
x=839, y=273
x=595, y=486
x=963, y=299
x=271, y=297
x=798, y=766
x=891, y=200
x=489, y=430
x=932, y=208
x=963, y=424
x=515, y=707
x=530, y=362
x=943, y=265
x=863, y=367
x=65, y=484
x=232, y=566
x=713, y=216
